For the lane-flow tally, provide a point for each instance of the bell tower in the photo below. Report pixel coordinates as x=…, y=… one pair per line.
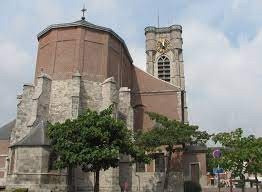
x=165, y=55
x=164, y=60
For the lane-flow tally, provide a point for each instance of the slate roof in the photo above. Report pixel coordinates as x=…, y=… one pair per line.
x=5, y=131
x=36, y=137
x=85, y=24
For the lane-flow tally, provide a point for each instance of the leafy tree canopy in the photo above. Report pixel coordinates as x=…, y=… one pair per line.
x=254, y=162
x=171, y=132
x=93, y=141
x=240, y=154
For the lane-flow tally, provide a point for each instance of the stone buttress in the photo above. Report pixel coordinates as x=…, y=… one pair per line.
x=30, y=154
x=109, y=94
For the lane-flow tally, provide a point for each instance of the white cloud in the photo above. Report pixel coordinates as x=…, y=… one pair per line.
x=16, y=69
x=13, y=61
x=222, y=81
x=46, y=12
x=102, y=5
x=139, y=56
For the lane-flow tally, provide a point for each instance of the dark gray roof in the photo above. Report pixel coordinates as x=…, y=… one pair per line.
x=36, y=137
x=5, y=131
x=86, y=24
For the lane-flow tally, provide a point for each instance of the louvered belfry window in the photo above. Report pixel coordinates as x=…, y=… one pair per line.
x=164, y=68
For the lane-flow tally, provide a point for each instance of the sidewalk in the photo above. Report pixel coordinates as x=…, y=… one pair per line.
x=228, y=190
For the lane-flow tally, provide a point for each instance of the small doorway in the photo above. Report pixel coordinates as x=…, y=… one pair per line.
x=195, y=172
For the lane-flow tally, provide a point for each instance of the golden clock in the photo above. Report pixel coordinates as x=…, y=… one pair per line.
x=162, y=46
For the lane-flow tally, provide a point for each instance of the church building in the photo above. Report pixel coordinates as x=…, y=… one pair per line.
x=81, y=65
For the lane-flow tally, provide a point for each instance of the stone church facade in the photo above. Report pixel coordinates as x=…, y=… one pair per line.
x=81, y=65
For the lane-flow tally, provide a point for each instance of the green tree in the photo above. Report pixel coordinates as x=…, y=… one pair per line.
x=240, y=154
x=170, y=133
x=254, y=162
x=211, y=164
x=93, y=141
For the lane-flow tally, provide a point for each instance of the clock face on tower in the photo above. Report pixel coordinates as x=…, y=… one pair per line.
x=163, y=46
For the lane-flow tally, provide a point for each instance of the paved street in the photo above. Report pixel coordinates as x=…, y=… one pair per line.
x=228, y=190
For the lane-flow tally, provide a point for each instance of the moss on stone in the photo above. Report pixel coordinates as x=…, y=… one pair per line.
x=20, y=190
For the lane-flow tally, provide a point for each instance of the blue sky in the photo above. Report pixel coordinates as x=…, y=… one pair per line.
x=222, y=50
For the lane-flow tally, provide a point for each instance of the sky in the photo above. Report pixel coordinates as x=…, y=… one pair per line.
x=222, y=50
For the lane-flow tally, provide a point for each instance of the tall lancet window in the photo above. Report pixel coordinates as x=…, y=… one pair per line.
x=164, y=68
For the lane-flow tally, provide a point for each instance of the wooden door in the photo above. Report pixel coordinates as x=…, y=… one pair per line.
x=195, y=172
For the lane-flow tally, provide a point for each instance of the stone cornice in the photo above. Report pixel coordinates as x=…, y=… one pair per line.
x=163, y=29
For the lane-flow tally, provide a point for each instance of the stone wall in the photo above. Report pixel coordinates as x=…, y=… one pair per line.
x=28, y=162
x=40, y=101
x=60, y=101
x=110, y=95
x=23, y=114
x=30, y=170
x=97, y=97
x=125, y=110
x=90, y=95
x=70, y=97
x=32, y=107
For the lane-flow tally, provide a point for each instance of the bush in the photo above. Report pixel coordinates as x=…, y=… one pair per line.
x=190, y=186
x=20, y=190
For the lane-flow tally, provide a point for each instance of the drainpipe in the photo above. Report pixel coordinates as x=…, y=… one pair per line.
x=183, y=105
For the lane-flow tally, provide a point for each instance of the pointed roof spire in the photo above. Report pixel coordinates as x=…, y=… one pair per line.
x=83, y=10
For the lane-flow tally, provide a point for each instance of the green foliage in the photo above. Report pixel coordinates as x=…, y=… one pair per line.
x=233, y=152
x=93, y=141
x=171, y=132
x=239, y=154
x=20, y=190
x=254, y=162
x=211, y=163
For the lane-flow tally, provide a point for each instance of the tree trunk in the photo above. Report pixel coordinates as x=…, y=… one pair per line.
x=96, y=187
x=231, y=185
x=256, y=182
x=168, y=168
x=243, y=183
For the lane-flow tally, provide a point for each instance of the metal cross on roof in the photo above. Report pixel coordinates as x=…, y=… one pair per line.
x=83, y=10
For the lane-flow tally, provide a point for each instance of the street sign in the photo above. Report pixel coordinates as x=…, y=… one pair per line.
x=217, y=153
x=218, y=170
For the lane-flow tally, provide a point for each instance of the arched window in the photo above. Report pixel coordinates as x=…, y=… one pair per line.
x=164, y=68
